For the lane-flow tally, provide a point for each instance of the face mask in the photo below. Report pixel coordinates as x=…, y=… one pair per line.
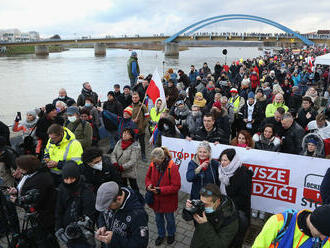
x=98, y=166
x=58, y=110
x=166, y=127
x=88, y=104
x=61, y=97
x=209, y=210
x=72, y=118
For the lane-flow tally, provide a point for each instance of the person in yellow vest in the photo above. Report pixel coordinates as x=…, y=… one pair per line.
x=155, y=112
x=277, y=102
x=304, y=229
x=61, y=146
x=237, y=103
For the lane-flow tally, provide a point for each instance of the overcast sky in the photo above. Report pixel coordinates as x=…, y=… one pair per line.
x=71, y=18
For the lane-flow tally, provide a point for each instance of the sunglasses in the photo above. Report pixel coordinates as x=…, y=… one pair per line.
x=207, y=192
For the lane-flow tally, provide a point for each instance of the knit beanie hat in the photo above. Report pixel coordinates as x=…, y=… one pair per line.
x=251, y=94
x=111, y=93
x=129, y=110
x=217, y=104
x=49, y=108
x=313, y=141
x=70, y=169
x=32, y=112
x=320, y=219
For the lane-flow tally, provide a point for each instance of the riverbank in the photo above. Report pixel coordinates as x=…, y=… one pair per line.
x=18, y=50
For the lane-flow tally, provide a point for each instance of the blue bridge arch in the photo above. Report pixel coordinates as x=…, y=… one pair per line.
x=208, y=21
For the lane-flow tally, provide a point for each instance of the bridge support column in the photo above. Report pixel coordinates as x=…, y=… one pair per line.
x=171, y=49
x=100, y=49
x=41, y=50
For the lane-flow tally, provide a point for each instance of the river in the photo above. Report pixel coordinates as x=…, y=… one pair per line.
x=28, y=81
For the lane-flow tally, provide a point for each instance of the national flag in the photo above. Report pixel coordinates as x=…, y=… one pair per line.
x=155, y=88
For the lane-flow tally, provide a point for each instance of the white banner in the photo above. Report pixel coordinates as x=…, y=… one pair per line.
x=280, y=181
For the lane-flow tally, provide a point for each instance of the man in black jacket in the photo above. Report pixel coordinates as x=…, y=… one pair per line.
x=123, y=222
x=293, y=135
x=87, y=92
x=4, y=132
x=62, y=96
x=141, y=88
x=275, y=121
x=98, y=169
x=75, y=202
x=306, y=113
x=126, y=97
x=184, y=79
x=210, y=132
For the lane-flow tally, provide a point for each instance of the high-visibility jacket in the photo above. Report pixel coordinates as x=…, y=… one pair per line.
x=68, y=149
x=237, y=102
x=271, y=229
x=155, y=117
x=272, y=107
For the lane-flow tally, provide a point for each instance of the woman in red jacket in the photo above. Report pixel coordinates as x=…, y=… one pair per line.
x=163, y=179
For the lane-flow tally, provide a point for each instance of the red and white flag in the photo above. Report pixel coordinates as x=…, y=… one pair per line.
x=155, y=88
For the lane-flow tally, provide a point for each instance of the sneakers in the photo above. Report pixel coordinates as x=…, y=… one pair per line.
x=170, y=239
x=159, y=241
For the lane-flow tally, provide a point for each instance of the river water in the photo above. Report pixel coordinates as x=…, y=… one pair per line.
x=28, y=81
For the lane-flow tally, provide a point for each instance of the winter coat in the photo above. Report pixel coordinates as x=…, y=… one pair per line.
x=120, y=122
x=215, y=135
x=96, y=177
x=41, y=130
x=67, y=100
x=294, y=103
x=220, y=229
x=325, y=188
x=292, y=140
x=28, y=128
x=74, y=204
x=4, y=132
x=43, y=182
x=140, y=89
x=194, y=122
x=200, y=178
x=129, y=223
x=167, y=199
x=302, y=119
x=133, y=67
x=114, y=107
x=240, y=188
x=172, y=93
x=86, y=93
x=222, y=122
x=127, y=159
x=193, y=75
x=166, y=127
x=125, y=100
x=185, y=80
x=143, y=117
x=278, y=128
x=204, y=71
x=261, y=143
x=319, y=152
x=155, y=114
x=181, y=114
x=209, y=94
x=83, y=132
x=272, y=107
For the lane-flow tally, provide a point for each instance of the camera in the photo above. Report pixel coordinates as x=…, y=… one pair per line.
x=197, y=207
x=82, y=228
x=30, y=199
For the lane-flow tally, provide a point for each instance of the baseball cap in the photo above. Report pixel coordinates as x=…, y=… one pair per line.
x=105, y=195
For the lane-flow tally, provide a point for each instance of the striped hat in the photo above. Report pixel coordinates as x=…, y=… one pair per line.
x=129, y=110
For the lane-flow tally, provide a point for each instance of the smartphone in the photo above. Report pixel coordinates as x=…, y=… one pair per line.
x=19, y=115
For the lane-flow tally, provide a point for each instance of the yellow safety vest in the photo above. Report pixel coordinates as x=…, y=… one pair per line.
x=235, y=103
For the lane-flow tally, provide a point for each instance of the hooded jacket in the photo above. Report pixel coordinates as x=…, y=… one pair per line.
x=272, y=107
x=220, y=228
x=87, y=93
x=200, y=178
x=129, y=223
x=68, y=149
x=155, y=113
x=319, y=152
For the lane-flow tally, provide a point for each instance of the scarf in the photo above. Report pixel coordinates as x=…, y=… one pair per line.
x=202, y=161
x=30, y=124
x=225, y=173
x=250, y=112
x=126, y=143
x=200, y=103
x=242, y=145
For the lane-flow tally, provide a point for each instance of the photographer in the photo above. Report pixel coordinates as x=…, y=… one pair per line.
x=216, y=217
x=75, y=202
x=7, y=163
x=123, y=222
x=36, y=177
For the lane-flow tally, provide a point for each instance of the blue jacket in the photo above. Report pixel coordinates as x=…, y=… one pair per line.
x=325, y=188
x=210, y=175
x=129, y=223
x=193, y=75
x=121, y=122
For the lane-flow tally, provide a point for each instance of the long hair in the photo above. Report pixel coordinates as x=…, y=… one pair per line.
x=248, y=138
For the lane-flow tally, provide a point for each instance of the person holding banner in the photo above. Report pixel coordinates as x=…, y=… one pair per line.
x=202, y=170
x=236, y=183
x=296, y=229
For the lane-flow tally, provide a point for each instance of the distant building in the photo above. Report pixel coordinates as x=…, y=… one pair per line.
x=323, y=32
x=14, y=35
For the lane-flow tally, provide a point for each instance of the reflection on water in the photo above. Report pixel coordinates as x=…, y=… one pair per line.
x=28, y=81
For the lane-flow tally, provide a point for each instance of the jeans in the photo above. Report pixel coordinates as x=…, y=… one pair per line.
x=132, y=81
x=160, y=222
x=114, y=137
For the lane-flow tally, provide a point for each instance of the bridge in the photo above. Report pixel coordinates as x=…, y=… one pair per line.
x=171, y=45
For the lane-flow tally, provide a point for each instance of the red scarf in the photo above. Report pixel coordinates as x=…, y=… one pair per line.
x=242, y=145
x=126, y=143
x=202, y=161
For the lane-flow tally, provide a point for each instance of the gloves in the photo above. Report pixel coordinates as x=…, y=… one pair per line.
x=61, y=237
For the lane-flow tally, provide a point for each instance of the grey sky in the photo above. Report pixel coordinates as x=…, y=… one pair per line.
x=116, y=17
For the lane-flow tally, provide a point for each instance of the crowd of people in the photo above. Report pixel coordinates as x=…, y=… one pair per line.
x=275, y=103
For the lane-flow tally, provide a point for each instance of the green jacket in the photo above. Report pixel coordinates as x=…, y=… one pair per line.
x=272, y=107
x=82, y=131
x=220, y=229
x=129, y=67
